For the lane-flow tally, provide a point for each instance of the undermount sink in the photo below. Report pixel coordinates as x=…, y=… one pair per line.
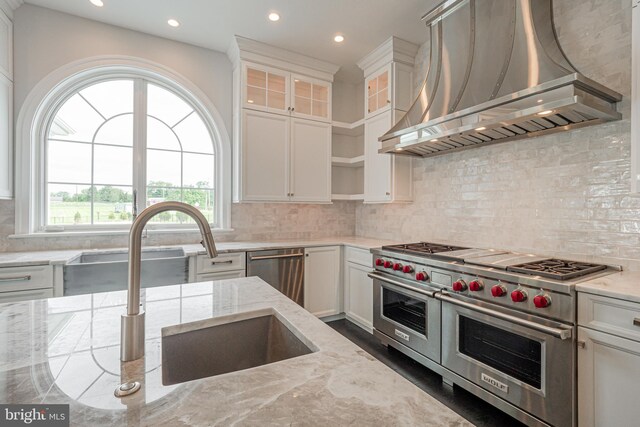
x=202, y=349
x=101, y=271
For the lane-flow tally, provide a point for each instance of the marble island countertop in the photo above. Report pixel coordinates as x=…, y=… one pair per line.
x=19, y=259
x=66, y=350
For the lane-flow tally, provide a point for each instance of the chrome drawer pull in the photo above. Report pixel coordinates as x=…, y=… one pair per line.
x=636, y=321
x=261, y=257
x=375, y=276
x=562, y=334
x=222, y=262
x=15, y=279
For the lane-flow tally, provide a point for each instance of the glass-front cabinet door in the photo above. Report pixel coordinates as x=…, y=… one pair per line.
x=378, y=93
x=266, y=89
x=311, y=98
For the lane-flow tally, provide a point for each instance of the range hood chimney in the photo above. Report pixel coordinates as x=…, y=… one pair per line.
x=496, y=73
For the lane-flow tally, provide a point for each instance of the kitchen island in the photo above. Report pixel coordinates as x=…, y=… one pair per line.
x=66, y=350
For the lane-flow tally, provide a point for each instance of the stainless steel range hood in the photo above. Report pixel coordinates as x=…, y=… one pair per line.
x=496, y=73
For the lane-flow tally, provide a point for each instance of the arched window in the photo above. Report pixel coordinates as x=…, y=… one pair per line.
x=121, y=139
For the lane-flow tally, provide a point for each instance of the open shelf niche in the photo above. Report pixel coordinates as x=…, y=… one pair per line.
x=347, y=159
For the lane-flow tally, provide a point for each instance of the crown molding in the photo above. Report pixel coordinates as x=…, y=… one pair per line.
x=244, y=49
x=8, y=6
x=394, y=49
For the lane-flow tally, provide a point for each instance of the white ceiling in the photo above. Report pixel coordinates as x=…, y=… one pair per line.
x=306, y=26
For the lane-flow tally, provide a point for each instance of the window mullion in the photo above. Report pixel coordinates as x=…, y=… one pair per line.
x=140, y=142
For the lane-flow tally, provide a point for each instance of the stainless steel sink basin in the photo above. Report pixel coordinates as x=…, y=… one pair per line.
x=200, y=349
x=101, y=271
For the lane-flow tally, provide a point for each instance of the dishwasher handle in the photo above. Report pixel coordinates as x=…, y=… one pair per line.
x=263, y=257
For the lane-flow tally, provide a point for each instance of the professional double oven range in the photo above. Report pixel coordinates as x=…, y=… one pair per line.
x=499, y=324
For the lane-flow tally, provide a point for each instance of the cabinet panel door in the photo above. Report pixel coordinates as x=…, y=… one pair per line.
x=6, y=138
x=608, y=380
x=378, y=92
x=377, y=167
x=7, y=297
x=359, y=295
x=265, y=156
x=322, y=280
x=310, y=161
x=310, y=98
x=266, y=89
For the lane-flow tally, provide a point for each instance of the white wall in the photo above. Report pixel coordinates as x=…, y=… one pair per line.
x=566, y=194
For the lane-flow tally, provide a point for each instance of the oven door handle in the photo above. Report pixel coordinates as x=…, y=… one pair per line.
x=430, y=294
x=562, y=334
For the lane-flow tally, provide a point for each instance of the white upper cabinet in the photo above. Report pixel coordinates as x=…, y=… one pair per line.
x=282, y=125
x=635, y=97
x=311, y=98
x=310, y=161
x=388, y=74
x=6, y=107
x=266, y=89
x=377, y=91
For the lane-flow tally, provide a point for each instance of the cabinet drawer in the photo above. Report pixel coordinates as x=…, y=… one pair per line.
x=7, y=297
x=611, y=315
x=26, y=278
x=223, y=262
x=359, y=256
x=221, y=275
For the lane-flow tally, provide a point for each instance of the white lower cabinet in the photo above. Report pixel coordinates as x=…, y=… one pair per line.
x=322, y=281
x=358, y=288
x=608, y=380
x=26, y=283
x=230, y=265
x=6, y=297
x=222, y=275
x=608, y=361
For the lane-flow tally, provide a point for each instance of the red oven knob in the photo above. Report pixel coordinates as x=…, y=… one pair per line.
x=422, y=276
x=407, y=269
x=397, y=266
x=387, y=264
x=476, y=285
x=518, y=295
x=498, y=291
x=459, y=285
x=379, y=261
x=542, y=301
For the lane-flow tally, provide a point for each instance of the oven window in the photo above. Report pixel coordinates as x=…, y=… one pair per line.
x=405, y=310
x=511, y=354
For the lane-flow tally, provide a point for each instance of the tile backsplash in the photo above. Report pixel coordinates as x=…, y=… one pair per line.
x=250, y=221
x=566, y=194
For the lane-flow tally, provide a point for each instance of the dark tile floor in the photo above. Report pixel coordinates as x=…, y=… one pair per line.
x=464, y=403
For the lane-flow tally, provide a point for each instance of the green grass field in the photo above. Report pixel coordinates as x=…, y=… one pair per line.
x=68, y=213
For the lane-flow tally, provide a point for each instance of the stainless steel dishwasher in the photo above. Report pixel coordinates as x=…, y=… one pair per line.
x=281, y=268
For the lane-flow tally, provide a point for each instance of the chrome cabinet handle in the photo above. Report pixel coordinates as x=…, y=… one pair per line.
x=16, y=279
x=222, y=262
x=376, y=276
x=636, y=321
x=261, y=257
x=562, y=334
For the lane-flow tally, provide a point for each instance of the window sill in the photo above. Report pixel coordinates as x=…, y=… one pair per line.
x=123, y=232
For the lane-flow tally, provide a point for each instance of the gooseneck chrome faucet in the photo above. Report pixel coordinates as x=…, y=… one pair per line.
x=132, y=323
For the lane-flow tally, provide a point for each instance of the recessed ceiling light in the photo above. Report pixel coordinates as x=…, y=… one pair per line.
x=338, y=38
x=399, y=149
x=274, y=17
x=480, y=128
x=250, y=101
x=97, y=3
x=172, y=22
x=434, y=140
x=545, y=113
x=540, y=101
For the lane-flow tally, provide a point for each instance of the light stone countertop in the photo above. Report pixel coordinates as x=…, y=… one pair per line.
x=623, y=285
x=66, y=350
x=20, y=259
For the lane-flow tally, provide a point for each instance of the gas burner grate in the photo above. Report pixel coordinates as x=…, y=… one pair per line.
x=557, y=269
x=422, y=248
